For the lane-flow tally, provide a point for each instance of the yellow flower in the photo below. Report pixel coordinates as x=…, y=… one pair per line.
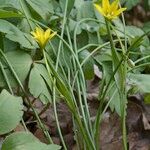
x=42, y=36
x=109, y=11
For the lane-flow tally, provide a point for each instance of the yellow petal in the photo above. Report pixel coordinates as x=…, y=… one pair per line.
x=105, y=5
x=100, y=9
x=43, y=43
x=42, y=36
x=47, y=33
x=114, y=5
x=39, y=31
x=119, y=11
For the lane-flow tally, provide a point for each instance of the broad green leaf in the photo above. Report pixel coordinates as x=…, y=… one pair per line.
x=90, y=26
x=10, y=111
x=37, y=85
x=10, y=4
x=8, y=14
x=14, y=34
x=134, y=31
x=119, y=25
x=141, y=81
x=24, y=26
x=72, y=24
x=104, y=60
x=93, y=39
x=79, y=3
x=21, y=63
x=88, y=67
x=146, y=26
x=114, y=99
x=82, y=39
x=9, y=45
x=131, y=3
x=65, y=54
x=42, y=8
x=85, y=10
x=70, y=5
x=131, y=31
x=25, y=141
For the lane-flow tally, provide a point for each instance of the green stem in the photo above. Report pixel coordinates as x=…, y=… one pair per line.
x=27, y=16
x=96, y=45
x=102, y=100
x=54, y=103
x=121, y=88
x=86, y=59
x=141, y=59
x=81, y=79
x=124, y=27
x=56, y=68
x=141, y=65
x=114, y=53
x=6, y=78
x=70, y=103
x=97, y=121
x=123, y=92
x=118, y=64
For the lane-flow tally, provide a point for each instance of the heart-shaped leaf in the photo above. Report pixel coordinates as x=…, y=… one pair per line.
x=21, y=63
x=25, y=141
x=10, y=111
